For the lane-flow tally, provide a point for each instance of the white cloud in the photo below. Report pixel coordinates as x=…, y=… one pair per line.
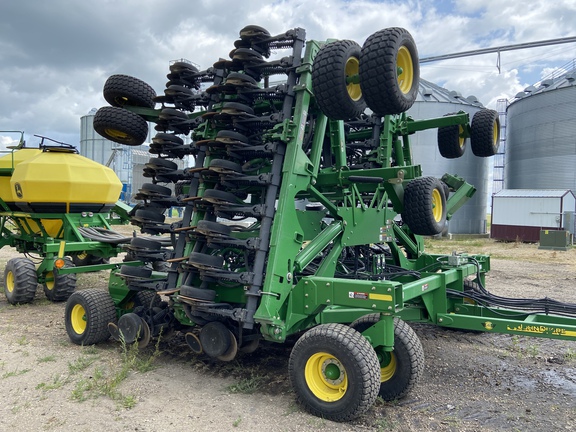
x=52, y=70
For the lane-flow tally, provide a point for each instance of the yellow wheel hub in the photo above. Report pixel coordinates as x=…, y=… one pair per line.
x=405, y=70
x=78, y=319
x=495, y=133
x=49, y=281
x=437, y=208
x=116, y=134
x=10, y=281
x=461, y=138
x=351, y=70
x=326, y=377
x=388, y=371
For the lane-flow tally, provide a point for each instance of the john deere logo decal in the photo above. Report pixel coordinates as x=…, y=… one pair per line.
x=18, y=190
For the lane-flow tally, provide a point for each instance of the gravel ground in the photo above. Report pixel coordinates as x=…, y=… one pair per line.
x=472, y=382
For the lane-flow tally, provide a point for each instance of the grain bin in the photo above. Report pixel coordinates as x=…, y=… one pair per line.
x=541, y=136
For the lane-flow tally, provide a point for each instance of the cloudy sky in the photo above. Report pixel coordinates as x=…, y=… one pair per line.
x=56, y=55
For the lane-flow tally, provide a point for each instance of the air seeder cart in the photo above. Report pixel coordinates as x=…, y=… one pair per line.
x=304, y=216
x=59, y=207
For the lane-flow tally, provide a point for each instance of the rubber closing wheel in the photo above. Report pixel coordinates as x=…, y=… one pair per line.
x=485, y=133
x=335, y=372
x=389, y=71
x=335, y=80
x=87, y=315
x=121, y=126
x=425, y=206
x=401, y=369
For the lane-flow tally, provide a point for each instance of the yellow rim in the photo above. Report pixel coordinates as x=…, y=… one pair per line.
x=351, y=70
x=49, y=283
x=326, y=377
x=10, y=281
x=116, y=134
x=405, y=70
x=461, y=138
x=437, y=209
x=388, y=371
x=495, y=132
x=78, y=319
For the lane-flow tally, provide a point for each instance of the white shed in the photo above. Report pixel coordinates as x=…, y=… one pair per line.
x=520, y=214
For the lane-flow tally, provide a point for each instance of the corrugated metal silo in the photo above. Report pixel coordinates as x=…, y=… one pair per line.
x=541, y=136
x=435, y=101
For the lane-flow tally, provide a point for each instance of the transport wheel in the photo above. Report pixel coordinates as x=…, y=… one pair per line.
x=451, y=143
x=20, y=281
x=335, y=80
x=335, y=372
x=120, y=90
x=401, y=369
x=425, y=206
x=121, y=126
x=485, y=133
x=58, y=287
x=389, y=71
x=87, y=315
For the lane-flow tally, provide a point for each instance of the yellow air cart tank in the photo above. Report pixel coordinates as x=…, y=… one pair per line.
x=59, y=181
x=7, y=166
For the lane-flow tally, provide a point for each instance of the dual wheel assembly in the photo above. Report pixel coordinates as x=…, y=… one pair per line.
x=382, y=75
x=21, y=282
x=338, y=375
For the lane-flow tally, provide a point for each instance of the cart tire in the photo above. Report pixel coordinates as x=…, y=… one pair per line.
x=120, y=90
x=401, y=369
x=334, y=64
x=485, y=133
x=146, y=299
x=389, y=71
x=451, y=143
x=121, y=126
x=81, y=259
x=425, y=206
x=87, y=315
x=20, y=281
x=335, y=372
x=62, y=286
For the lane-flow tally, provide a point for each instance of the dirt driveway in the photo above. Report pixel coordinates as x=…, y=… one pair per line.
x=472, y=382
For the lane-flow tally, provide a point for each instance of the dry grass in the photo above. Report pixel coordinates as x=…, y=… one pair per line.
x=501, y=250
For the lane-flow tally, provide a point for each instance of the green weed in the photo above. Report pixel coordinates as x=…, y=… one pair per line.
x=15, y=373
x=246, y=385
